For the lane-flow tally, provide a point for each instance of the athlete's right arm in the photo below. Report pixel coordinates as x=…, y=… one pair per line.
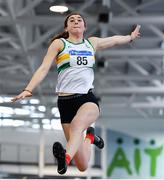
x=43, y=69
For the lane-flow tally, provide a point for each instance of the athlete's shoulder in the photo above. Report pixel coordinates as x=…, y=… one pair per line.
x=93, y=41
x=57, y=44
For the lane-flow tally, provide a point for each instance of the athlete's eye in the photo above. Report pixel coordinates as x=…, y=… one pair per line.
x=71, y=20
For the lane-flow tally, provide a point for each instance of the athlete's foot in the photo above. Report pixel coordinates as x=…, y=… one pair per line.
x=98, y=141
x=59, y=154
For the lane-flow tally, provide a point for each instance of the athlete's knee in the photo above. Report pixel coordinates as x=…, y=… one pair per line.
x=82, y=167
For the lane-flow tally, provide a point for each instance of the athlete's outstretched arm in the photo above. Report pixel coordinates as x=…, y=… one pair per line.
x=42, y=71
x=103, y=43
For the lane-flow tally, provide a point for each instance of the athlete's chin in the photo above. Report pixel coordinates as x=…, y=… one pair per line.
x=77, y=30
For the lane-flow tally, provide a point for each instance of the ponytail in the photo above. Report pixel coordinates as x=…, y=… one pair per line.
x=64, y=35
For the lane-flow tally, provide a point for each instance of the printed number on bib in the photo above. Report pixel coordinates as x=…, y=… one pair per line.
x=80, y=61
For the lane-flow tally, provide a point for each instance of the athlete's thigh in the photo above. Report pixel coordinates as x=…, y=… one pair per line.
x=86, y=115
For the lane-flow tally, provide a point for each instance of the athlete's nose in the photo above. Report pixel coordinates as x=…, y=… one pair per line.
x=76, y=21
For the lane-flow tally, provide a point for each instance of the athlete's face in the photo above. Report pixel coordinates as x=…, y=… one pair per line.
x=75, y=24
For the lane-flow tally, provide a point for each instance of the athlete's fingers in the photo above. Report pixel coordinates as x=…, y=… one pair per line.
x=14, y=99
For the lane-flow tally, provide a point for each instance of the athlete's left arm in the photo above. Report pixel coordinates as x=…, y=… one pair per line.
x=103, y=43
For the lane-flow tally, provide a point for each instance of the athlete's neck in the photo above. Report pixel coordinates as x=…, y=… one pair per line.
x=77, y=39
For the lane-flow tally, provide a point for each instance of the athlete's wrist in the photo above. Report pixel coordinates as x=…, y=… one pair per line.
x=131, y=38
x=27, y=91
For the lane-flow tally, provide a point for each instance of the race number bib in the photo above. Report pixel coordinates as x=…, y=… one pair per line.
x=81, y=58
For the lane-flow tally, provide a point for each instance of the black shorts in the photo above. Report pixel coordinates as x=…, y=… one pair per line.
x=69, y=105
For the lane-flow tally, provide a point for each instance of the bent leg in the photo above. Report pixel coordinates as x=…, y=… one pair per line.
x=86, y=115
x=82, y=156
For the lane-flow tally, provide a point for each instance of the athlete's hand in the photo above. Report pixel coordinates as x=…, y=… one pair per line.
x=21, y=96
x=136, y=33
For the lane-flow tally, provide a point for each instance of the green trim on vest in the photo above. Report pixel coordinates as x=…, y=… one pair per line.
x=63, y=47
x=91, y=45
x=75, y=43
x=64, y=66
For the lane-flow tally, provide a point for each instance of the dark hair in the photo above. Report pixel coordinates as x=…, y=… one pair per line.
x=65, y=34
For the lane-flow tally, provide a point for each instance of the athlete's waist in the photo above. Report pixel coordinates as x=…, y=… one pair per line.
x=65, y=94
x=71, y=94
